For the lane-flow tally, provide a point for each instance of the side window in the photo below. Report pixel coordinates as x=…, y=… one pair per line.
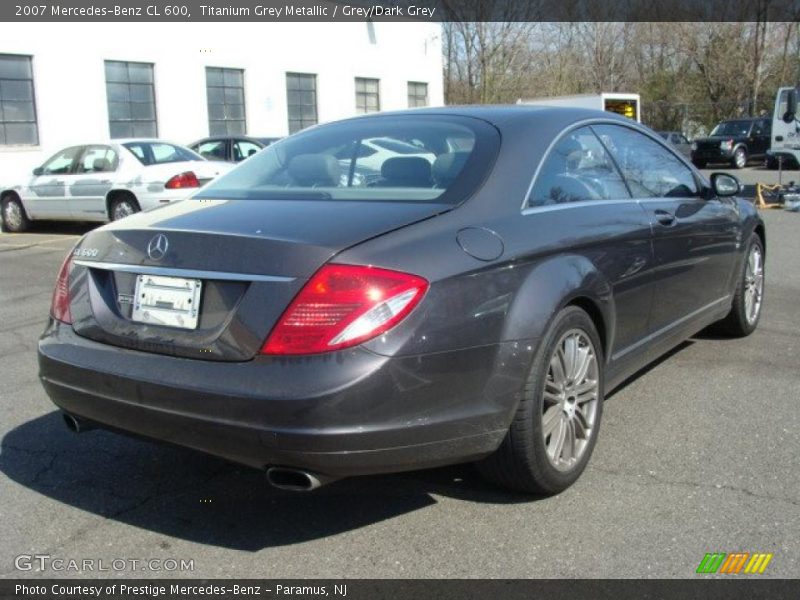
x=98, y=159
x=212, y=150
x=577, y=168
x=244, y=149
x=62, y=162
x=651, y=170
x=682, y=139
x=758, y=128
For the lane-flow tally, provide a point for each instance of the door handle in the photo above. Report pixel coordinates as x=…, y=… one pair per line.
x=778, y=138
x=665, y=218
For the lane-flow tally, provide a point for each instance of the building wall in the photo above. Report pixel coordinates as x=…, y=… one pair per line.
x=69, y=75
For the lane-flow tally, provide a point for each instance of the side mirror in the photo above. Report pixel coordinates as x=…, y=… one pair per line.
x=791, y=107
x=38, y=171
x=725, y=184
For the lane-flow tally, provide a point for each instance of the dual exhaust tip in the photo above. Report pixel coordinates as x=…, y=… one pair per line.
x=282, y=478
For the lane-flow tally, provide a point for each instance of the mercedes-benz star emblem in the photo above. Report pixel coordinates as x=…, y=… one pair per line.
x=157, y=247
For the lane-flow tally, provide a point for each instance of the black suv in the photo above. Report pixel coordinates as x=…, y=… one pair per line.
x=735, y=142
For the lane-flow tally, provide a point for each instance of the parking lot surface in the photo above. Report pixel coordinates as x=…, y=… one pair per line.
x=697, y=454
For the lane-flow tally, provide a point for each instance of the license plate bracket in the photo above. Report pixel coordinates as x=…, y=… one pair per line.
x=167, y=301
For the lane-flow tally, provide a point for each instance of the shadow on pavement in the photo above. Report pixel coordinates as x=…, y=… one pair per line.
x=188, y=495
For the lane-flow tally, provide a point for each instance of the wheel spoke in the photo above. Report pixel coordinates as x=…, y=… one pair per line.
x=550, y=419
x=568, y=451
x=582, y=428
x=557, y=440
x=557, y=369
x=570, y=357
x=585, y=361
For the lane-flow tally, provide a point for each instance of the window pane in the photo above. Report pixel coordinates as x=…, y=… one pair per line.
x=651, y=170
x=121, y=129
x=234, y=95
x=216, y=112
x=15, y=89
x=21, y=133
x=144, y=129
x=140, y=73
x=17, y=111
x=217, y=128
x=116, y=71
x=236, y=127
x=141, y=93
x=577, y=169
x=142, y=111
x=234, y=111
x=118, y=92
x=233, y=78
x=15, y=67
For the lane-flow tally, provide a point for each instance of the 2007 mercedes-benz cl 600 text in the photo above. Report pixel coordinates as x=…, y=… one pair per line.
x=472, y=300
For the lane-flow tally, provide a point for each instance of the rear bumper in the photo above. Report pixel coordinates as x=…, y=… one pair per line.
x=346, y=413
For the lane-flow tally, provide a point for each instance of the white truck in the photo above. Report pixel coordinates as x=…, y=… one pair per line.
x=627, y=105
x=785, y=143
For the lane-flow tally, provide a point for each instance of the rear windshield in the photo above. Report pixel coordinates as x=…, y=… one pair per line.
x=159, y=153
x=421, y=158
x=740, y=128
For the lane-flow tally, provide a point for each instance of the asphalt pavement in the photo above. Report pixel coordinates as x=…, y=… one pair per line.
x=697, y=454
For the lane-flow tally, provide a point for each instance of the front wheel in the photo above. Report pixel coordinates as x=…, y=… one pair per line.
x=14, y=218
x=555, y=428
x=749, y=295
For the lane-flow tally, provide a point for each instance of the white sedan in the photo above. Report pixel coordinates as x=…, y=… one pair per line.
x=106, y=182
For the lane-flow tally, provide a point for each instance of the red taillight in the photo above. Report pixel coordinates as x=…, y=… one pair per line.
x=59, y=307
x=344, y=305
x=183, y=180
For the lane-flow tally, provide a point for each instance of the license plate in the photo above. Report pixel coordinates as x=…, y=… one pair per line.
x=168, y=301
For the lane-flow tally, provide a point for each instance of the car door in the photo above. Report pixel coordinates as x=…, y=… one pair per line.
x=602, y=222
x=47, y=193
x=94, y=178
x=214, y=149
x=243, y=149
x=694, y=236
x=760, y=137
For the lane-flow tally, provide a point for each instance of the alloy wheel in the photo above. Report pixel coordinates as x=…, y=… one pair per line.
x=122, y=210
x=753, y=284
x=571, y=396
x=740, y=158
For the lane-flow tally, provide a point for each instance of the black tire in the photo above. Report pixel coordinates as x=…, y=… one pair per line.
x=122, y=203
x=17, y=221
x=739, y=159
x=521, y=462
x=700, y=164
x=737, y=323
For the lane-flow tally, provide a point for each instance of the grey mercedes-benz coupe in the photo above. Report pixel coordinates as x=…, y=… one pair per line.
x=472, y=299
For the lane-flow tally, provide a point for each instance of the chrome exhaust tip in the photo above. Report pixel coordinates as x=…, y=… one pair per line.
x=77, y=425
x=295, y=480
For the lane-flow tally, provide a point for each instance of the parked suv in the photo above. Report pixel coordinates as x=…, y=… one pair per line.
x=735, y=142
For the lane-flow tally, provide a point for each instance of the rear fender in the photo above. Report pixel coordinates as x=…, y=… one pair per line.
x=554, y=283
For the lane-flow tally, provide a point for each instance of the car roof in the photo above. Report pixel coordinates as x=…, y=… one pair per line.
x=210, y=138
x=506, y=116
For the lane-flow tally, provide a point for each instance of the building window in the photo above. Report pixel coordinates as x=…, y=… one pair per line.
x=131, y=99
x=17, y=107
x=368, y=98
x=417, y=94
x=225, y=89
x=301, y=99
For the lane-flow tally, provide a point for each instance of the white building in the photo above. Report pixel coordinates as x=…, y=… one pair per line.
x=71, y=83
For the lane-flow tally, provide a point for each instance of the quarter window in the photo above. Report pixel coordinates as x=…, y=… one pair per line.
x=368, y=97
x=417, y=94
x=301, y=100
x=17, y=107
x=577, y=169
x=131, y=99
x=225, y=92
x=650, y=170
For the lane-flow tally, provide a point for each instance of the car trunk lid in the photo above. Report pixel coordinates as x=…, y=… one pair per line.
x=250, y=257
